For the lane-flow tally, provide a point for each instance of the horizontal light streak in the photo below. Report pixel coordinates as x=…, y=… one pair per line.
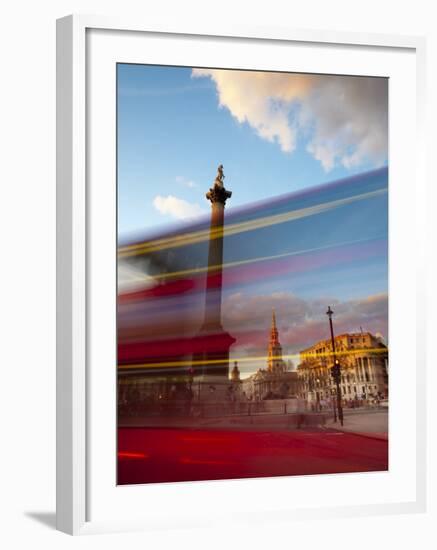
x=233, y=229
x=238, y=263
x=189, y=363
x=128, y=454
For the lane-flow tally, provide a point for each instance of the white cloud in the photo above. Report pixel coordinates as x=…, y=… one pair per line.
x=176, y=208
x=342, y=119
x=186, y=182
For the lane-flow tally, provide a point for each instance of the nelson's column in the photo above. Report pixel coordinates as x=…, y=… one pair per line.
x=214, y=360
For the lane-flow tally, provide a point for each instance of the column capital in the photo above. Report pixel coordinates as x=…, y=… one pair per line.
x=218, y=194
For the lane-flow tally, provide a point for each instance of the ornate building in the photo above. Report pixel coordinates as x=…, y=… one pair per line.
x=275, y=382
x=363, y=359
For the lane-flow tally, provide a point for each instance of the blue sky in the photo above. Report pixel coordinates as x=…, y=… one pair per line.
x=172, y=134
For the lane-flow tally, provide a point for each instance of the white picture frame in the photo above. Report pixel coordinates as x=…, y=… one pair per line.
x=75, y=214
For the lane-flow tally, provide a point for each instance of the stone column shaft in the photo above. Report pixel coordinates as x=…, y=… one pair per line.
x=215, y=267
x=214, y=360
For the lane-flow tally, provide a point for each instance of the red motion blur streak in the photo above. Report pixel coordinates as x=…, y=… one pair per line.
x=170, y=288
x=259, y=270
x=166, y=350
x=175, y=455
x=127, y=454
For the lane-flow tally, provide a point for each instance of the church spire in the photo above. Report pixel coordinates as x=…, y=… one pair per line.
x=273, y=319
x=274, y=330
x=274, y=361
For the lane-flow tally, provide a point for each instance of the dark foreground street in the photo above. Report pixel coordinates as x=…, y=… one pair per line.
x=153, y=455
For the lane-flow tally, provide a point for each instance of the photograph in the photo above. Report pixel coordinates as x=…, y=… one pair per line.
x=228, y=322
x=252, y=274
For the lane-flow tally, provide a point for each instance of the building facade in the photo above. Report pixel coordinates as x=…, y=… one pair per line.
x=363, y=359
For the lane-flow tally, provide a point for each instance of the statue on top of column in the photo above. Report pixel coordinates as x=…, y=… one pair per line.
x=218, y=193
x=220, y=176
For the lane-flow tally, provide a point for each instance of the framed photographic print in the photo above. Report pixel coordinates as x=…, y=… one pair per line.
x=240, y=275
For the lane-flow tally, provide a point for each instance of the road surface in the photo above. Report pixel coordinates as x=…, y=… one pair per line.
x=153, y=455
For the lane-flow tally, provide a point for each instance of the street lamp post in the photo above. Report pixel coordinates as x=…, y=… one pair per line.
x=336, y=369
x=334, y=407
